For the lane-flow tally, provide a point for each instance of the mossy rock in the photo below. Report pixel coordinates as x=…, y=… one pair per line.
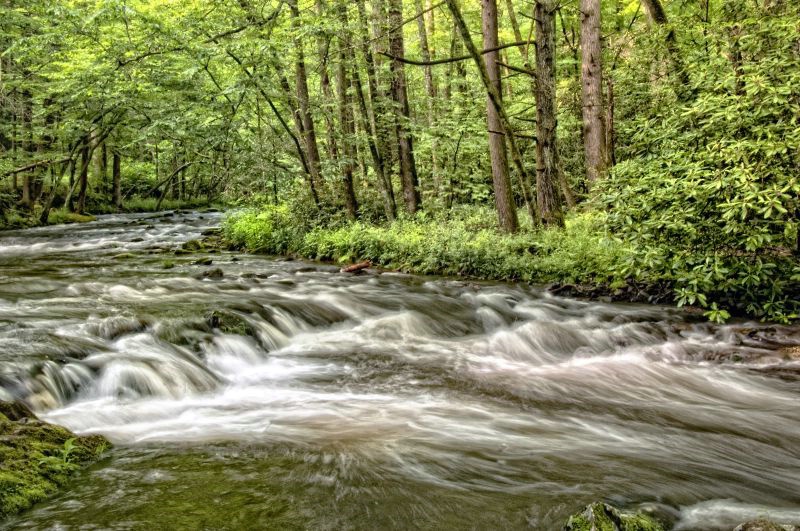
x=193, y=246
x=36, y=458
x=604, y=517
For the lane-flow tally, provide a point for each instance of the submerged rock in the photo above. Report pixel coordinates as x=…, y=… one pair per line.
x=36, y=458
x=215, y=273
x=604, y=517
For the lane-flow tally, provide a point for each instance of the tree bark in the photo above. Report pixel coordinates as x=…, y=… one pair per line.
x=116, y=178
x=430, y=89
x=83, y=178
x=370, y=112
x=503, y=197
x=591, y=91
x=497, y=102
x=301, y=81
x=547, y=163
x=346, y=114
x=657, y=15
x=405, y=142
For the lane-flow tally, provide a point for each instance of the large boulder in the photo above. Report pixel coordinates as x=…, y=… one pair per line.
x=604, y=517
x=36, y=457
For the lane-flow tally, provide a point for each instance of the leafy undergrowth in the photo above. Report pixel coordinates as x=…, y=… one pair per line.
x=36, y=458
x=468, y=245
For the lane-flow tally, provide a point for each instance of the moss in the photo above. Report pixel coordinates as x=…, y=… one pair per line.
x=64, y=216
x=36, y=458
x=193, y=246
x=604, y=517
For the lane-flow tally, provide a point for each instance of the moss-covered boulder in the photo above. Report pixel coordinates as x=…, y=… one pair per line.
x=36, y=457
x=604, y=517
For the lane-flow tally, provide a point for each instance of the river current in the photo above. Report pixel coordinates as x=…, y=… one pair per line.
x=277, y=394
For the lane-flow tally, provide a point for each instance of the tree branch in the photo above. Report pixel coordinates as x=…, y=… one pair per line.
x=456, y=59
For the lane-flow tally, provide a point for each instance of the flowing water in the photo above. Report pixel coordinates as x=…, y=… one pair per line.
x=285, y=395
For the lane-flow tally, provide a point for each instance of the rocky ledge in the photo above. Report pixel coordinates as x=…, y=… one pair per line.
x=36, y=458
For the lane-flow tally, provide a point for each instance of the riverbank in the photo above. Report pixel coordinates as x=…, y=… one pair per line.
x=16, y=219
x=38, y=458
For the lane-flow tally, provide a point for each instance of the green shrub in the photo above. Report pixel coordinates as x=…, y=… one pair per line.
x=710, y=199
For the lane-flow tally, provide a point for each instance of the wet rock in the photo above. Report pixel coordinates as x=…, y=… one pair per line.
x=167, y=264
x=604, y=517
x=211, y=232
x=229, y=322
x=193, y=246
x=765, y=525
x=37, y=457
x=16, y=411
x=123, y=256
x=137, y=240
x=215, y=274
x=203, y=261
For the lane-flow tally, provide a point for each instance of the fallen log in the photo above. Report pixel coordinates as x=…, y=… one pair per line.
x=355, y=268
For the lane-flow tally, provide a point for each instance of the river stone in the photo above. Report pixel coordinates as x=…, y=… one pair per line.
x=203, y=261
x=36, y=458
x=765, y=525
x=215, y=274
x=603, y=517
x=193, y=246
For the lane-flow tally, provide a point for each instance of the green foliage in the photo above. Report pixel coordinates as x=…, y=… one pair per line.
x=710, y=196
x=466, y=245
x=65, y=216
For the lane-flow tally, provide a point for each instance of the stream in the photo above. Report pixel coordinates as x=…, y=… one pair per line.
x=287, y=395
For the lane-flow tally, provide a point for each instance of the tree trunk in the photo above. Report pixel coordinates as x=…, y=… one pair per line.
x=346, y=114
x=497, y=102
x=547, y=164
x=83, y=178
x=657, y=15
x=309, y=133
x=371, y=112
x=116, y=177
x=591, y=91
x=405, y=143
x=503, y=197
x=325, y=84
x=430, y=89
x=27, y=132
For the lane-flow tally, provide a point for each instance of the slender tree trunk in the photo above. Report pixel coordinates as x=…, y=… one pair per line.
x=346, y=113
x=116, y=177
x=430, y=89
x=591, y=89
x=27, y=126
x=547, y=163
x=405, y=142
x=497, y=101
x=657, y=15
x=325, y=84
x=309, y=133
x=370, y=112
x=503, y=197
x=83, y=179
